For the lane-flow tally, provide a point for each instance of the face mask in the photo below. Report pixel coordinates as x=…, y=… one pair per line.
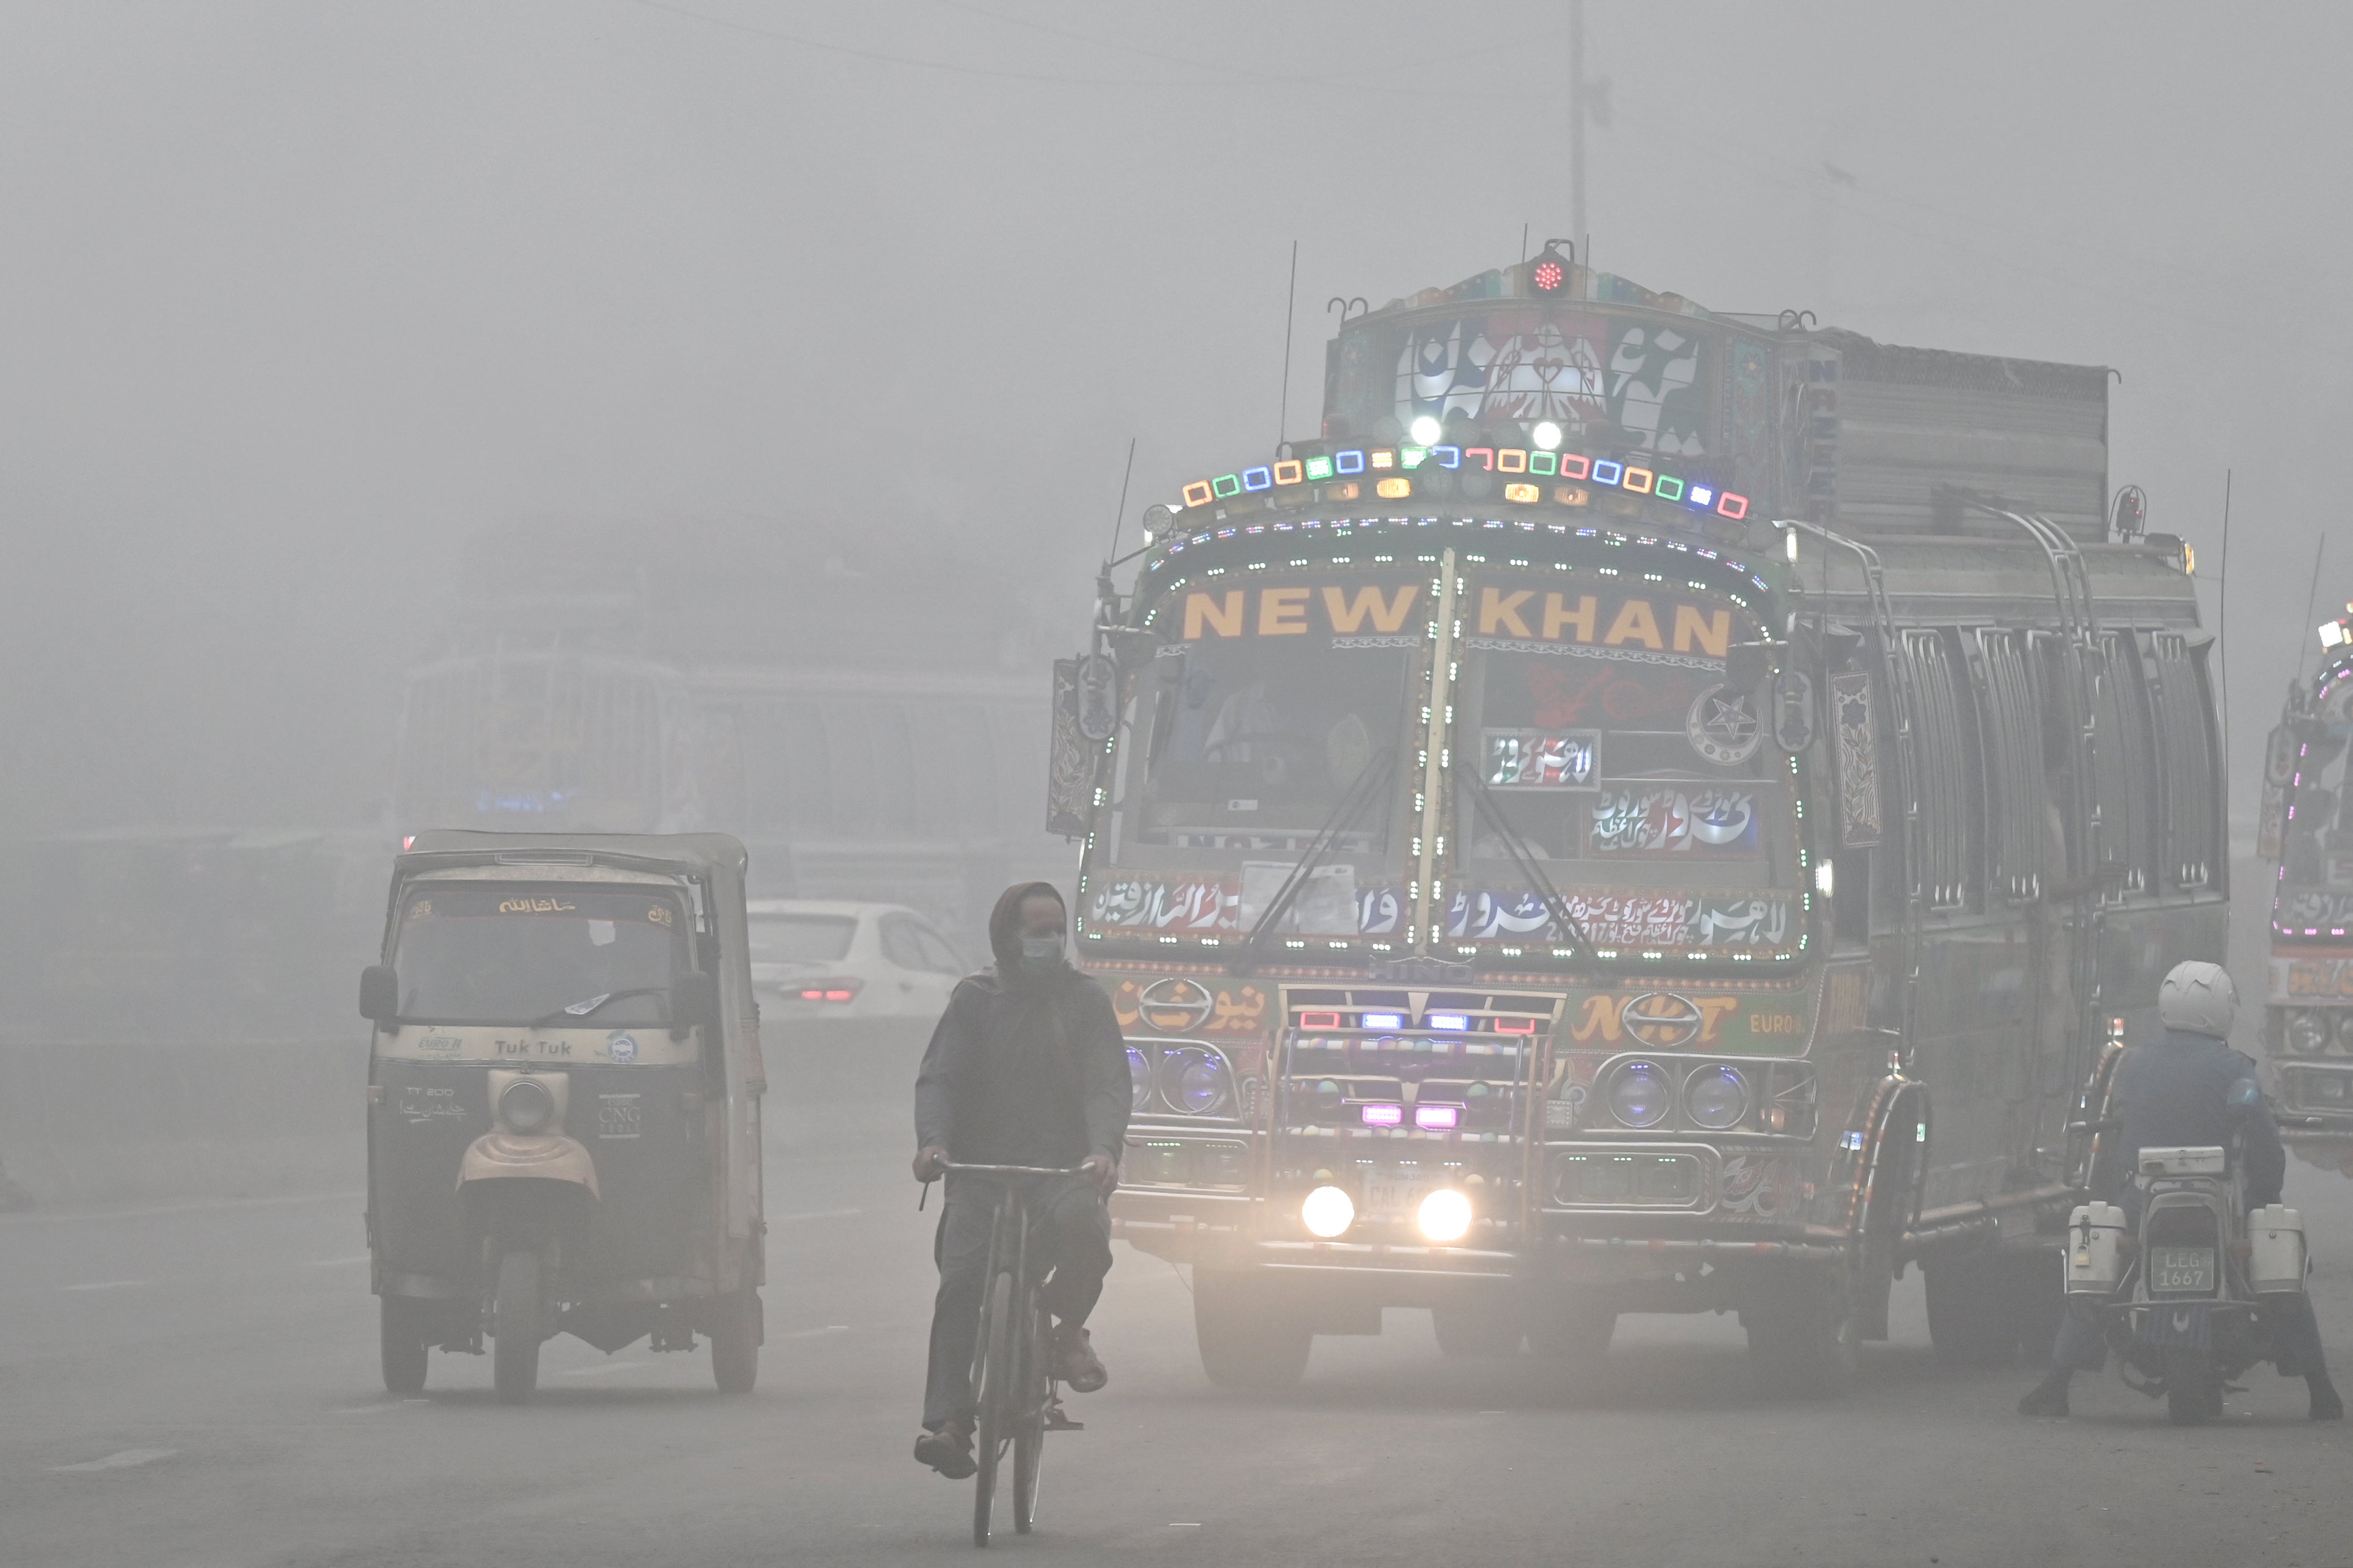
x=1042, y=951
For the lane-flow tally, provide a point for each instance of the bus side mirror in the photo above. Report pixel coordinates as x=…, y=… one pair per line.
x=693, y=1003
x=379, y=993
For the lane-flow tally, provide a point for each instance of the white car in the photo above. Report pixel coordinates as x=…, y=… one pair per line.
x=823, y=963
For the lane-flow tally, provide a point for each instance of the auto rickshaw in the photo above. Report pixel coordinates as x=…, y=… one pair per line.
x=563, y=1102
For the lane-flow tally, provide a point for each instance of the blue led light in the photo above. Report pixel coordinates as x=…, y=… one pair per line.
x=1447, y=456
x=1458, y=1022
x=1606, y=472
x=1258, y=478
x=1383, y=1020
x=1347, y=462
x=1701, y=496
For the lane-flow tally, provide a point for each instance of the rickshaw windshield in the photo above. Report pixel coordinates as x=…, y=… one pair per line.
x=516, y=956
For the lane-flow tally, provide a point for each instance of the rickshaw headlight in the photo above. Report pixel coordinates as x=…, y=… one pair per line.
x=1139, y=1079
x=526, y=1106
x=1328, y=1212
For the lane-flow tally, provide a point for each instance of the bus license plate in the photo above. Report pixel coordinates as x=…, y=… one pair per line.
x=1394, y=1195
x=2181, y=1269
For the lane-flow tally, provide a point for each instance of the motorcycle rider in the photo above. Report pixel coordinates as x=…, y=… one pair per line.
x=2191, y=1089
x=1027, y=1067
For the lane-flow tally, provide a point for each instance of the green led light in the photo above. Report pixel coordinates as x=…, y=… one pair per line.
x=1413, y=456
x=1319, y=467
x=1544, y=462
x=1668, y=487
x=1226, y=484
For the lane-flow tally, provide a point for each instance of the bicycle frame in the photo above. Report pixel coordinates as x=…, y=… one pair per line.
x=1012, y=1381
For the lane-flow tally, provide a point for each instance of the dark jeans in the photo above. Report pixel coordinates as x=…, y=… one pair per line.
x=1070, y=1232
x=2081, y=1347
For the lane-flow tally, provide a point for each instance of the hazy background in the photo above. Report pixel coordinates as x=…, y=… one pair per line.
x=294, y=296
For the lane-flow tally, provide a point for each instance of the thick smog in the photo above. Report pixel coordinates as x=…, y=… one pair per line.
x=1302, y=785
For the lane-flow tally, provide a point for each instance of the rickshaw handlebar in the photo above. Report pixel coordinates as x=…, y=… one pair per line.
x=950, y=1166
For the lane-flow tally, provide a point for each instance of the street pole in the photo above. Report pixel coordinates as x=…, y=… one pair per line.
x=1577, y=117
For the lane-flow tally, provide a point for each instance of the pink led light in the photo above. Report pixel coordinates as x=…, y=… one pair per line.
x=1383, y=1115
x=1437, y=1117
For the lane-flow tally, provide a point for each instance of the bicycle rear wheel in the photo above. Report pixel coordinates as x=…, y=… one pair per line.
x=1029, y=1429
x=996, y=1396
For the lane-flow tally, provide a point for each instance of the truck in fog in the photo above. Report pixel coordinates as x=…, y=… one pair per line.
x=1653, y=810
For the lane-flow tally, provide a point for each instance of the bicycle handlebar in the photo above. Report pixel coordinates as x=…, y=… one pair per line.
x=950, y=1167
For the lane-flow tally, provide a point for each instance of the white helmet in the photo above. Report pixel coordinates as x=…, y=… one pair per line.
x=2198, y=998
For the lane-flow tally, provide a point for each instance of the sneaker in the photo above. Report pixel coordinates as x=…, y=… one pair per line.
x=947, y=1449
x=2325, y=1404
x=1076, y=1363
x=2048, y=1397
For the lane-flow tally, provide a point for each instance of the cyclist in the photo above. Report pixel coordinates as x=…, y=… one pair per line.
x=1027, y=1068
x=2189, y=1087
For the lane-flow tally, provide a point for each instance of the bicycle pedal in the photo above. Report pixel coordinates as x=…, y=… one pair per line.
x=1056, y=1421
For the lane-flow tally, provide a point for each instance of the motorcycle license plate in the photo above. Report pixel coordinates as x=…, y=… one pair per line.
x=2184, y=1269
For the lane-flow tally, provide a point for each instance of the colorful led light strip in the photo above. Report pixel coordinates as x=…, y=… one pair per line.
x=1631, y=478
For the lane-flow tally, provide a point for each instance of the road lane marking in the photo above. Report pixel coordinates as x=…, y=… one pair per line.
x=122, y=1461
x=812, y=1333
x=601, y=1369
x=106, y=1285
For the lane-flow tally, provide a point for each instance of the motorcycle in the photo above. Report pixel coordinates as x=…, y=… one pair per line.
x=2187, y=1293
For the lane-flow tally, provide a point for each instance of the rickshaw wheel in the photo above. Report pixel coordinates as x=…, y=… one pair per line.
x=514, y=1324
x=736, y=1341
x=402, y=1338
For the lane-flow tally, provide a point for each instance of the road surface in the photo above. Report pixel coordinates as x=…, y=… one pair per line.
x=195, y=1386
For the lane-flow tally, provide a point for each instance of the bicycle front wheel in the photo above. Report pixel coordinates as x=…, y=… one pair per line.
x=997, y=1396
x=1030, y=1426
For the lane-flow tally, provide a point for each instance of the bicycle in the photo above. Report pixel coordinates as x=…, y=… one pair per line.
x=1013, y=1372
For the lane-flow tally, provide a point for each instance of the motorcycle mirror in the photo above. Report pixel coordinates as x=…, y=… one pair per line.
x=379, y=993
x=693, y=1003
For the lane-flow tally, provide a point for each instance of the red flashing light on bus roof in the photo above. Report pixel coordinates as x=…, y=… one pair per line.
x=1548, y=273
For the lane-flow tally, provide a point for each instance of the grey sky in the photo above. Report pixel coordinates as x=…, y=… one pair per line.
x=293, y=297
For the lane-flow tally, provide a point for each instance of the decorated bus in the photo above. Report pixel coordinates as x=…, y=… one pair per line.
x=1653, y=811
x=2306, y=833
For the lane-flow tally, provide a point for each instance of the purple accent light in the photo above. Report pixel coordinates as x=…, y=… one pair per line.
x=1437, y=1117
x=1458, y=1022
x=1383, y=1020
x=1383, y=1115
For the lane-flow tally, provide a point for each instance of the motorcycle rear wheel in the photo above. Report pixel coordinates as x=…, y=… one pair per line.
x=2193, y=1388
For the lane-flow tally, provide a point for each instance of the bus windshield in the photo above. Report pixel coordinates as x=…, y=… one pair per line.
x=1610, y=756
x=1278, y=716
x=2315, y=885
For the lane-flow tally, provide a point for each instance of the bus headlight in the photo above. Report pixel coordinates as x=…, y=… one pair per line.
x=2307, y=1032
x=1640, y=1094
x=1445, y=1215
x=1328, y=1212
x=1716, y=1096
x=1196, y=1081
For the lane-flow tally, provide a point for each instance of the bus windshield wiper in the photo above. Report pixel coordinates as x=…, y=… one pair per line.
x=1368, y=786
x=1483, y=796
x=581, y=1009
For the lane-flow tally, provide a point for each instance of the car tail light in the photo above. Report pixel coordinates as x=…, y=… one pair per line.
x=843, y=990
